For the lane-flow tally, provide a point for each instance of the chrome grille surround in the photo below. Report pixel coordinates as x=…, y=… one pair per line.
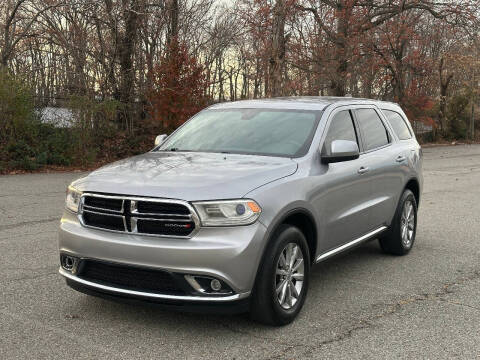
x=131, y=217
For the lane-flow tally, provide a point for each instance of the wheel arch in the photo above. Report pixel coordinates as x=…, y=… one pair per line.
x=414, y=186
x=301, y=218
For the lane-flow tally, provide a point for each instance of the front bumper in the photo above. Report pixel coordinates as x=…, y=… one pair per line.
x=148, y=295
x=230, y=254
x=216, y=307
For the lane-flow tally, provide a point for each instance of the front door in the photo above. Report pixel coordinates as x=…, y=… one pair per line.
x=344, y=190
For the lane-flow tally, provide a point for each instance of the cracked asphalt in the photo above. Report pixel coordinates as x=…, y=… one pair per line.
x=361, y=304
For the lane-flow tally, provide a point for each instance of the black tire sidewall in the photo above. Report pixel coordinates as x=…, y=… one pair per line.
x=392, y=242
x=408, y=196
x=265, y=291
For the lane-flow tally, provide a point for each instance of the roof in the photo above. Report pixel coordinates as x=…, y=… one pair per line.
x=296, y=102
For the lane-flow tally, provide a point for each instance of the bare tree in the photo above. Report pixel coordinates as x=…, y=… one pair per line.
x=277, y=57
x=20, y=17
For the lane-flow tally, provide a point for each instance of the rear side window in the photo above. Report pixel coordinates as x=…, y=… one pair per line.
x=374, y=133
x=398, y=124
x=341, y=128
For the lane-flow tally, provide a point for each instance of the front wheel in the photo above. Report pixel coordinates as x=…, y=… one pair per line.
x=401, y=236
x=282, y=281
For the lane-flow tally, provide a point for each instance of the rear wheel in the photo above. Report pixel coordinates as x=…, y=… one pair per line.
x=401, y=236
x=282, y=281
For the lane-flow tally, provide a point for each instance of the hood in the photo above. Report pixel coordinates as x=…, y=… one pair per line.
x=187, y=175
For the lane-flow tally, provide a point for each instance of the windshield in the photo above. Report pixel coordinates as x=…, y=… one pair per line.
x=246, y=131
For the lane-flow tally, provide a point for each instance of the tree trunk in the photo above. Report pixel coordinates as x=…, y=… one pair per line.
x=174, y=12
x=472, y=121
x=442, y=111
x=230, y=79
x=126, y=51
x=338, y=85
x=257, y=80
x=277, y=56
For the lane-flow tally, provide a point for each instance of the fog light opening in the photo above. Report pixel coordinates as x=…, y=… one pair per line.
x=68, y=262
x=215, y=285
x=208, y=285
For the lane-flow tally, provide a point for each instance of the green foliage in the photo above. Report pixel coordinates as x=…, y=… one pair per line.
x=16, y=107
x=94, y=123
x=457, y=115
x=45, y=145
x=28, y=144
x=18, y=126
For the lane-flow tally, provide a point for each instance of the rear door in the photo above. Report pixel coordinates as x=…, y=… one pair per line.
x=404, y=150
x=378, y=155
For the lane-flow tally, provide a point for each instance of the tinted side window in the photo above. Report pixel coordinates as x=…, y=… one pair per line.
x=341, y=128
x=398, y=124
x=374, y=133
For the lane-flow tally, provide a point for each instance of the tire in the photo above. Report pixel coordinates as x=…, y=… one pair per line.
x=267, y=305
x=399, y=240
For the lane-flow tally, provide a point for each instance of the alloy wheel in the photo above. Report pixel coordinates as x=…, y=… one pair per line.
x=407, y=224
x=289, y=275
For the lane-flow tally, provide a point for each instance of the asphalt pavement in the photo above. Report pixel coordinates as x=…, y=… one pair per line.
x=361, y=304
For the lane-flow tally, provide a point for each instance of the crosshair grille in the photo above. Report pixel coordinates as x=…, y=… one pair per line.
x=146, y=216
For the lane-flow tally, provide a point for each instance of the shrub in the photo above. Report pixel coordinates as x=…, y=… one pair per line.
x=17, y=124
x=93, y=135
x=25, y=142
x=457, y=116
x=95, y=126
x=16, y=107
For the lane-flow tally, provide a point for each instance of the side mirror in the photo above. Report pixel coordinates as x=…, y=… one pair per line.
x=341, y=150
x=160, y=139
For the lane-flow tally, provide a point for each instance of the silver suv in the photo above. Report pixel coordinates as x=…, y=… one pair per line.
x=230, y=211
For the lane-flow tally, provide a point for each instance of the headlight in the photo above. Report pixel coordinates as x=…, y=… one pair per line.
x=228, y=212
x=72, y=199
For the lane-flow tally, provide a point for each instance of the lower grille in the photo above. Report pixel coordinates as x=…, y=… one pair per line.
x=129, y=277
x=149, y=216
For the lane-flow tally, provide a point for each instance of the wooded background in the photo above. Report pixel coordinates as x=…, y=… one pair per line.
x=127, y=70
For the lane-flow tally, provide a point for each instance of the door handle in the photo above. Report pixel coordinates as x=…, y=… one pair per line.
x=400, y=158
x=363, y=170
